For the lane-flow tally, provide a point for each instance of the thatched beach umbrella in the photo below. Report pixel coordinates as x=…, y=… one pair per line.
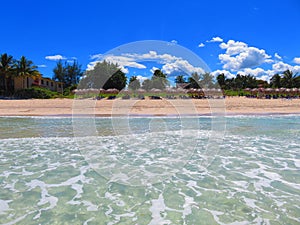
x=112, y=91
x=269, y=90
x=282, y=90
x=155, y=90
x=254, y=90
x=141, y=90
x=247, y=90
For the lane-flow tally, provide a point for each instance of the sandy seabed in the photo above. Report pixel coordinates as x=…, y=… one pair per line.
x=164, y=107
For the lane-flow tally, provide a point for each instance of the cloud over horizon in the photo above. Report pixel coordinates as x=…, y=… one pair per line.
x=170, y=63
x=296, y=60
x=239, y=55
x=236, y=57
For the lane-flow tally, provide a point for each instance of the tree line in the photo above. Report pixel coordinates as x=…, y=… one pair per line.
x=109, y=75
x=285, y=80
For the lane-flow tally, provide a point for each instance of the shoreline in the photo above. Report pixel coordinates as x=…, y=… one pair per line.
x=231, y=106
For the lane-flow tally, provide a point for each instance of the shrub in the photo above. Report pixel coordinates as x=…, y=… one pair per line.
x=35, y=92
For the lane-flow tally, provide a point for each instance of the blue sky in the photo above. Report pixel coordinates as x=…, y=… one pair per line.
x=257, y=37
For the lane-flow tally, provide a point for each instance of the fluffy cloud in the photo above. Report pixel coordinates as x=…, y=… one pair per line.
x=201, y=45
x=296, y=60
x=181, y=65
x=55, y=57
x=170, y=63
x=141, y=79
x=215, y=39
x=280, y=67
x=258, y=73
x=239, y=55
x=41, y=66
x=225, y=72
x=277, y=56
x=153, y=69
x=122, y=61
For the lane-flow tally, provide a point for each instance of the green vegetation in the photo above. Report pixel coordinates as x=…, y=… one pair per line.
x=158, y=81
x=134, y=83
x=68, y=73
x=11, y=68
x=106, y=75
x=286, y=80
x=36, y=92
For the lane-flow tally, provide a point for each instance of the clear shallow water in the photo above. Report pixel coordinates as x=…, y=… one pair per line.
x=49, y=177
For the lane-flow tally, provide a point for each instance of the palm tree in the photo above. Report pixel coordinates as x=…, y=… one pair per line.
x=6, y=71
x=275, y=81
x=207, y=81
x=134, y=83
x=25, y=67
x=288, y=79
x=221, y=80
x=180, y=79
x=194, y=81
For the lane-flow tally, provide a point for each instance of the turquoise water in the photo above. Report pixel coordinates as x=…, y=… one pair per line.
x=150, y=170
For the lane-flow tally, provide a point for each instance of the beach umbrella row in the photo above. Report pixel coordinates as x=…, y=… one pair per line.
x=273, y=90
x=96, y=91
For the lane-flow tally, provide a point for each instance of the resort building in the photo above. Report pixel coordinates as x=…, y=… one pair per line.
x=28, y=82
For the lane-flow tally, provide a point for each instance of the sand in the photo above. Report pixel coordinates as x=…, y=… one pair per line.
x=164, y=107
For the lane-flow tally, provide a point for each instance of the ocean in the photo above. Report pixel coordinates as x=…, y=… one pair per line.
x=150, y=170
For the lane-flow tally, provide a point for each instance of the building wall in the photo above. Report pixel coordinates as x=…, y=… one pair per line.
x=28, y=82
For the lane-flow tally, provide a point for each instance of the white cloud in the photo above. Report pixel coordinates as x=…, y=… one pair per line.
x=55, y=57
x=170, y=63
x=153, y=69
x=296, y=60
x=277, y=56
x=239, y=56
x=141, y=78
x=215, y=39
x=225, y=72
x=201, y=45
x=41, y=66
x=281, y=67
x=258, y=73
x=181, y=65
x=173, y=42
x=122, y=61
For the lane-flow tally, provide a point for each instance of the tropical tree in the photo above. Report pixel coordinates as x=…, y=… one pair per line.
x=104, y=75
x=73, y=74
x=67, y=73
x=194, y=81
x=180, y=79
x=134, y=83
x=25, y=67
x=275, y=81
x=288, y=79
x=207, y=81
x=59, y=72
x=159, y=80
x=6, y=72
x=221, y=79
x=147, y=84
x=250, y=82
